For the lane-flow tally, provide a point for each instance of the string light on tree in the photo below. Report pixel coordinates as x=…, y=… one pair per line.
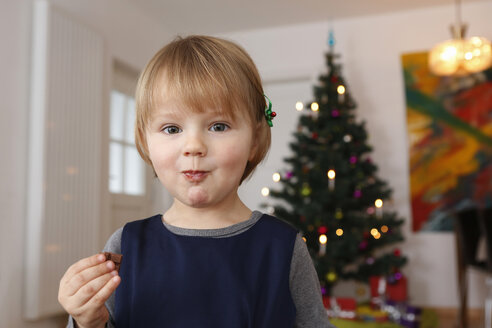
x=276, y=177
x=265, y=191
x=322, y=244
x=341, y=93
x=384, y=229
x=299, y=106
x=315, y=110
x=379, y=208
x=331, y=179
x=339, y=232
x=375, y=233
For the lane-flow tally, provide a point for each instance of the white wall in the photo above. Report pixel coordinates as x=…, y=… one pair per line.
x=371, y=48
x=130, y=37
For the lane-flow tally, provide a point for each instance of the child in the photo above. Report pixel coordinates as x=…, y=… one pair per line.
x=203, y=124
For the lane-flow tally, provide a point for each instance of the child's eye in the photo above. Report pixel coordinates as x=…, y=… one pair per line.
x=219, y=127
x=171, y=129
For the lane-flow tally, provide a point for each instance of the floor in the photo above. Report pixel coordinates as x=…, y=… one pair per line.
x=448, y=318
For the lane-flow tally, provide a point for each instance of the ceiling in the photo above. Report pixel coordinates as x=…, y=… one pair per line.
x=222, y=16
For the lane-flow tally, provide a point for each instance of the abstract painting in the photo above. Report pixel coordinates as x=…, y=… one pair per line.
x=449, y=122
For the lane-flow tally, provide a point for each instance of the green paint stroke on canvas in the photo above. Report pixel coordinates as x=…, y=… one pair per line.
x=430, y=107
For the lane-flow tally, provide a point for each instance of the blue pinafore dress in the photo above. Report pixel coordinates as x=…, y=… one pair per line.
x=176, y=281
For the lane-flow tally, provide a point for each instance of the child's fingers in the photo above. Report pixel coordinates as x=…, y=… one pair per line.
x=103, y=294
x=89, y=290
x=83, y=264
x=84, y=277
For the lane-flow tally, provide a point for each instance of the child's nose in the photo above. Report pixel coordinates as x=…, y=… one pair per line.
x=195, y=146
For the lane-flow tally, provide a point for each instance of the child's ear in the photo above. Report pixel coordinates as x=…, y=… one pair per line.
x=255, y=142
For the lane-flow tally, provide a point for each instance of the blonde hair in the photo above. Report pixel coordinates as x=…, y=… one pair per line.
x=204, y=72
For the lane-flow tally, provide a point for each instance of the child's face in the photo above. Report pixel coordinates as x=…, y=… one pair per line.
x=199, y=157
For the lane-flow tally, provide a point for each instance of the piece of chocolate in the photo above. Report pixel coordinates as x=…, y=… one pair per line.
x=116, y=258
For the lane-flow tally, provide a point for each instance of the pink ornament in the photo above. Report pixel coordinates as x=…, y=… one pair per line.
x=363, y=245
x=353, y=159
x=335, y=113
x=357, y=193
x=370, y=261
x=370, y=210
x=289, y=174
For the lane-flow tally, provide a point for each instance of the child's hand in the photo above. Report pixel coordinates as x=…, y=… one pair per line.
x=84, y=288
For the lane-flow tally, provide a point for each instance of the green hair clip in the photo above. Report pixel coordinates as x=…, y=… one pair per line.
x=269, y=115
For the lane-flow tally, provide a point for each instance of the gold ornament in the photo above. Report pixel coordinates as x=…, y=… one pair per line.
x=306, y=190
x=338, y=214
x=361, y=291
x=331, y=276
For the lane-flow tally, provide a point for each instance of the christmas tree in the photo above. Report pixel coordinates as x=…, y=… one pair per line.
x=330, y=190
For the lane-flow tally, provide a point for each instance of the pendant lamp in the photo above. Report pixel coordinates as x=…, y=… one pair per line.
x=460, y=56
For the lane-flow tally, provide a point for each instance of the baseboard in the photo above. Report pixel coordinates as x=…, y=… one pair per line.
x=453, y=312
x=449, y=317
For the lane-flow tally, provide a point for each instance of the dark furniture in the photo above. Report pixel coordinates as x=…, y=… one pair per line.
x=471, y=225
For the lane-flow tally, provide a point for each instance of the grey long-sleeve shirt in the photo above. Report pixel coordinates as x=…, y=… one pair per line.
x=304, y=283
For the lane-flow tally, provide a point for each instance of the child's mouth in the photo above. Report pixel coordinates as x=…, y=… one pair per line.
x=195, y=176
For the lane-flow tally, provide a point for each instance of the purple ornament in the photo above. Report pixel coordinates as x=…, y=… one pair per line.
x=323, y=290
x=363, y=245
x=357, y=193
x=289, y=174
x=335, y=113
x=370, y=261
x=391, y=279
x=398, y=275
x=410, y=317
x=353, y=159
x=413, y=309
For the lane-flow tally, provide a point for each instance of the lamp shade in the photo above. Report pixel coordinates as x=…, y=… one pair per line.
x=460, y=57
